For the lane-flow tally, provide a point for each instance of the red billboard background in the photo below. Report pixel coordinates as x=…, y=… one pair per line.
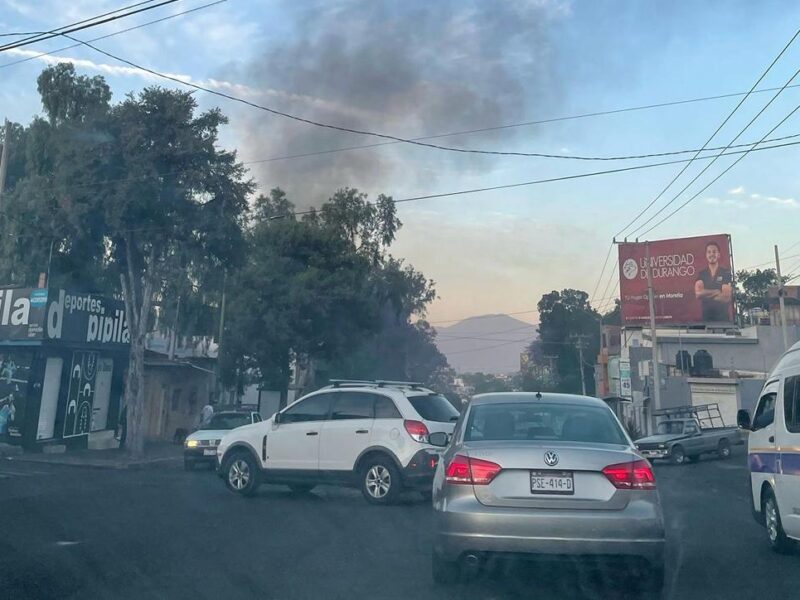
x=692, y=281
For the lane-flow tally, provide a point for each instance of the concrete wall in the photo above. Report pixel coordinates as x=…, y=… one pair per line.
x=758, y=349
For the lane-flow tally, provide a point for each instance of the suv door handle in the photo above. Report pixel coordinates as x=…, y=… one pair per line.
x=772, y=439
x=312, y=433
x=362, y=430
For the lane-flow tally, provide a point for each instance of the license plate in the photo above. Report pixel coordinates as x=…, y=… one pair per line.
x=552, y=482
x=210, y=452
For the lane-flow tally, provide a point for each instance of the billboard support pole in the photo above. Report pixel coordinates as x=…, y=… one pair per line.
x=652, y=302
x=780, y=299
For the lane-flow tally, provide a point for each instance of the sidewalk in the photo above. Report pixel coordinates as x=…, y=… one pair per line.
x=155, y=454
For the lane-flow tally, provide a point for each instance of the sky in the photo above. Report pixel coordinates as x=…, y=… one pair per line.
x=417, y=68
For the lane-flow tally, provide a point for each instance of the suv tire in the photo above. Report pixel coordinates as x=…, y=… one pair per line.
x=772, y=519
x=380, y=480
x=241, y=473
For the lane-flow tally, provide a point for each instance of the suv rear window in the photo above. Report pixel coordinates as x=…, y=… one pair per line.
x=536, y=421
x=434, y=407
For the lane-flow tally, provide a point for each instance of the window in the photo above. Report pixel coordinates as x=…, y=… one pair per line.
x=385, y=408
x=538, y=421
x=765, y=413
x=690, y=429
x=351, y=405
x=791, y=403
x=434, y=407
x=227, y=421
x=315, y=408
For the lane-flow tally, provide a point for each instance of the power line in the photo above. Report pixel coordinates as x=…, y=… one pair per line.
x=476, y=317
x=602, y=272
x=310, y=121
x=102, y=37
x=708, y=141
x=696, y=177
x=770, y=262
x=710, y=183
x=85, y=24
x=555, y=179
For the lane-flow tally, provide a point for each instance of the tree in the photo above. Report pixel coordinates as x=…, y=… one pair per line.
x=565, y=319
x=614, y=316
x=133, y=198
x=752, y=288
x=483, y=383
x=324, y=292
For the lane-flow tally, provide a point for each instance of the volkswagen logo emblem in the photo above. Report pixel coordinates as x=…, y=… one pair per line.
x=550, y=458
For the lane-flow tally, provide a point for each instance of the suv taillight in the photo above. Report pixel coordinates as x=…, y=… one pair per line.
x=417, y=430
x=463, y=469
x=636, y=475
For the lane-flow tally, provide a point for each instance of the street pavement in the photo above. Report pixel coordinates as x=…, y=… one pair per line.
x=161, y=532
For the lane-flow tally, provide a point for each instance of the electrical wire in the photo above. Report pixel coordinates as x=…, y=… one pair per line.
x=708, y=166
x=102, y=37
x=710, y=183
x=85, y=24
x=310, y=121
x=716, y=131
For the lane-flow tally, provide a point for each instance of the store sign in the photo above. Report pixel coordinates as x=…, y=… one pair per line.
x=40, y=314
x=692, y=281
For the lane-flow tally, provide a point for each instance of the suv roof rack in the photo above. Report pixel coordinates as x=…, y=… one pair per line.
x=414, y=385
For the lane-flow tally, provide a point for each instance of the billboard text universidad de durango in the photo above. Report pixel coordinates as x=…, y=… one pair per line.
x=692, y=281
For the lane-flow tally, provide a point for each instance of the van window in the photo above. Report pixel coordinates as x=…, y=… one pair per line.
x=791, y=403
x=765, y=413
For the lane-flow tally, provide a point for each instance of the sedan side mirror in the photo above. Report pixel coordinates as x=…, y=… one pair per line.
x=438, y=438
x=743, y=419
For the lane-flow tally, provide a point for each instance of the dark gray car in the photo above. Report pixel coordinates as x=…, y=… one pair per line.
x=545, y=474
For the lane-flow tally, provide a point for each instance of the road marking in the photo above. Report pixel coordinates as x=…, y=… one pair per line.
x=66, y=543
x=22, y=473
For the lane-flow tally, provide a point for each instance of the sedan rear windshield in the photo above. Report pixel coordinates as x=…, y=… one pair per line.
x=227, y=421
x=434, y=407
x=542, y=421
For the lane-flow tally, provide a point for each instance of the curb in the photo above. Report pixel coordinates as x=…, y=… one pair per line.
x=114, y=466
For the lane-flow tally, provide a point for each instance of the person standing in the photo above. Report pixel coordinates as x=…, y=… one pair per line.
x=205, y=415
x=714, y=287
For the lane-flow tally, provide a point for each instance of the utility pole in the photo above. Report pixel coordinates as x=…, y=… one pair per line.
x=652, y=302
x=4, y=159
x=580, y=344
x=221, y=330
x=780, y=299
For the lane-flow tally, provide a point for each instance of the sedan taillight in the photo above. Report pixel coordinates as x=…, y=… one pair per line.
x=637, y=475
x=463, y=469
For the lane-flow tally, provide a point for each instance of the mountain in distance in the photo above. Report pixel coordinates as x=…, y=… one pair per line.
x=488, y=343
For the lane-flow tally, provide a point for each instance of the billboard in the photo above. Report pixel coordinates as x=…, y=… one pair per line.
x=692, y=281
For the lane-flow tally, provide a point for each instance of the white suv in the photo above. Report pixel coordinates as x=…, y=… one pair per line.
x=373, y=434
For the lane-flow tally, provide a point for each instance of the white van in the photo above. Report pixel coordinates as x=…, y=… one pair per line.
x=774, y=452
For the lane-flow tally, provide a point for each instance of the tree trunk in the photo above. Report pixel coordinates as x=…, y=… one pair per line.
x=137, y=312
x=134, y=398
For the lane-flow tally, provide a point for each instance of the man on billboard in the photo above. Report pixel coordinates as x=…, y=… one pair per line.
x=714, y=287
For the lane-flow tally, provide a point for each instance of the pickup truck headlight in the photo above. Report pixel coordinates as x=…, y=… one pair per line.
x=662, y=445
x=192, y=443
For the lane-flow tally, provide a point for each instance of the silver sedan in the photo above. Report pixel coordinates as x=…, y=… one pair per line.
x=527, y=475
